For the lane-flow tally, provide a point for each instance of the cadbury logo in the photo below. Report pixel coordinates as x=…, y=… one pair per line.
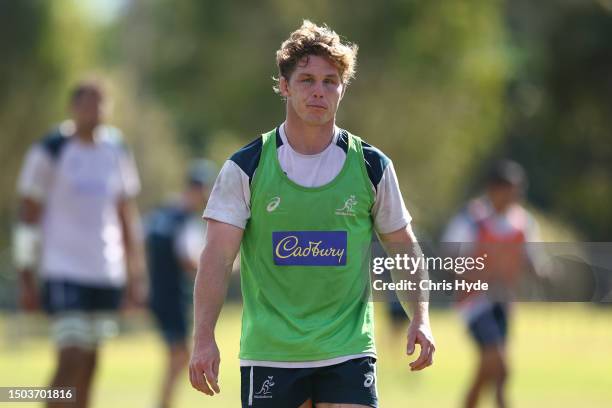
x=320, y=248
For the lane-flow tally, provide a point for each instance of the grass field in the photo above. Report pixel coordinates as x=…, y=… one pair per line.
x=561, y=357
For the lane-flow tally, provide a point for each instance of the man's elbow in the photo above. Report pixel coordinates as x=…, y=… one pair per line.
x=30, y=211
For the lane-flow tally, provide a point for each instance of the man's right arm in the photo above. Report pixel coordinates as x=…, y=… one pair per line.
x=33, y=185
x=26, y=247
x=222, y=245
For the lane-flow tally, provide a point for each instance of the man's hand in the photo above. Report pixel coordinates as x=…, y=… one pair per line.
x=419, y=332
x=204, y=366
x=28, y=293
x=136, y=293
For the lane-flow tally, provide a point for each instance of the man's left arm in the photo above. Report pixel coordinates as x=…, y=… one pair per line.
x=403, y=241
x=136, y=290
x=392, y=222
x=136, y=286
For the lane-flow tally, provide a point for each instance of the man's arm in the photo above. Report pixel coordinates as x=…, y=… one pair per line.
x=222, y=245
x=26, y=247
x=403, y=241
x=129, y=216
x=33, y=185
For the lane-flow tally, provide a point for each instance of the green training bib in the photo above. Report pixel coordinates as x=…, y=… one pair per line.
x=304, y=263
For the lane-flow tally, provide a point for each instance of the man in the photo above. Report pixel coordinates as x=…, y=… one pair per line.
x=78, y=225
x=494, y=224
x=301, y=203
x=174, y=242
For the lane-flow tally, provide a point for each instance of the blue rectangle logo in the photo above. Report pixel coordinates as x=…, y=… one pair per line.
x=309, y=248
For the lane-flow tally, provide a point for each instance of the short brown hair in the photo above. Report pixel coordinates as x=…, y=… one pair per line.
x=311, y=39
x=87, y=86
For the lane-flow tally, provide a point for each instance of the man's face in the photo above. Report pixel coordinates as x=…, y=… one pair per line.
x=314, y=90
x=88, y=109
x=197, y=196
x=503, y=196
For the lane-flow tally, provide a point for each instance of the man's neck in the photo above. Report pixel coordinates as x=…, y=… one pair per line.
x=496, y=208
x=307, y=139
x=85, y=135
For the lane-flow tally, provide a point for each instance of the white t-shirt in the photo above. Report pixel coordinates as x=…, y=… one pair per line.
x=230, y=199
x=191, y=239
x=82, y=238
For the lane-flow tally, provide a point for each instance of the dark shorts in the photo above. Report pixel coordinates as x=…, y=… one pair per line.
x=351, y=382
x=64, y=296
x=396, y=312
x=491, y=326
x=171, y=319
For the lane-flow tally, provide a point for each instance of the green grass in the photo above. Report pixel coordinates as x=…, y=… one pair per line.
x=561, y=356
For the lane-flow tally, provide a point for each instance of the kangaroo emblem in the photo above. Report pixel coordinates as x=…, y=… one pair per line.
x=265, y=387
x=347, y=209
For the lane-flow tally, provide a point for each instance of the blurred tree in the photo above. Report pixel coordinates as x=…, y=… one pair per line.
x=442, y=87
x=151, y=136
x=46, y=47
x=37, y=64
x=560, y=108
x=429, y=89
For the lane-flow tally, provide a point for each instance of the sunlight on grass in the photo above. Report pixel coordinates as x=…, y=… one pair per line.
x=560, y=357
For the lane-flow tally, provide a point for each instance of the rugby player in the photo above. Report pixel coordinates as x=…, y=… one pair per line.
x=78, y=226
x=301, y=203
x=496, y=224
x=175, y=237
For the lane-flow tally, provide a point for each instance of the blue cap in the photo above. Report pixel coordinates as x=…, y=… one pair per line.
x=202, y=172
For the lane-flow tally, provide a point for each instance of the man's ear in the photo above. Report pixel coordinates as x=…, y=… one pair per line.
x=283, y=86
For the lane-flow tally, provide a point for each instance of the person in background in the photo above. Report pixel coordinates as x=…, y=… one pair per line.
x=78, y=226
x=175, y=237
x=498, y=225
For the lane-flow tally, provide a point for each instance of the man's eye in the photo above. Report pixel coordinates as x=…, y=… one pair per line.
x=307, y=80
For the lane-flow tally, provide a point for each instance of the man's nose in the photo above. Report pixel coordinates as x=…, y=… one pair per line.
x=318, y=89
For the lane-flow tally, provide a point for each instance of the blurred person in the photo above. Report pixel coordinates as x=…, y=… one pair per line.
x=397, y=317
x=175, y=237
x=307, y=330
x=78, y=226
x=498, y=225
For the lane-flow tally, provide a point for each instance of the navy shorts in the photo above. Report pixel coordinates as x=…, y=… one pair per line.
x=491, y=326
x=396, y=312
x=64, y=296
x=351, y=382
x=171, y=319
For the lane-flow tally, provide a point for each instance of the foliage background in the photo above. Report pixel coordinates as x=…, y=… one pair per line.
x=442, y=87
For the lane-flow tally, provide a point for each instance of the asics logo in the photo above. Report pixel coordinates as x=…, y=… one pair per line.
x=369, y=379
x=273, y=204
